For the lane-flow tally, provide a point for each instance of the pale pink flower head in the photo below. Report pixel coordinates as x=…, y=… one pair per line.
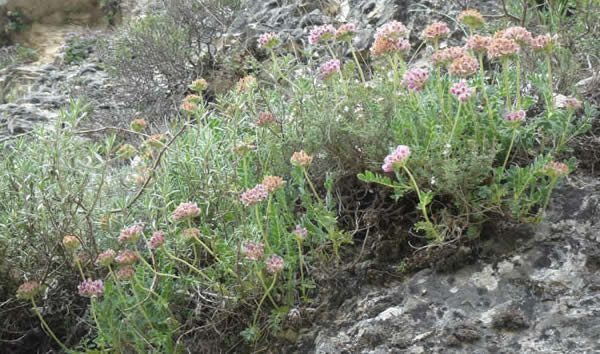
x=254, y=251
x=29, y=290
x=326, y=70
x=414, y=80
x=545, y=42
x=555, y=169
x=392, y=30
x=301, y=159
x=321, y=33
x=516, y=117
x=190, y=234
x=125, y=273
x=272, y=183
x=186, y=211
x=518, y=34
x=464, y=66
x=131, y=233
x=105, y=258
x=447, y=55
x=572, y=103
x=502, y=48
x=91, y=288
x=198, y=85
x=471, y=18
x=157, y=239
x=300, y=232
x=345, y=32
x=264, y=119
x=479, y=44
x=435, y=31
x=127, y=257
x=137, y=125
x=71, y=242
x=384, y=46
x=396, y=159
x=462, y=91
x=274, y=264
x=255, y=195
x=269, y=40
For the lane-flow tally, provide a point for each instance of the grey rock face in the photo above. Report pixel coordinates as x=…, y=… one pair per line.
x=534, y=290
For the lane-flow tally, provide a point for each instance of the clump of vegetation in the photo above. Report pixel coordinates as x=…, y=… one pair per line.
x=214, y=233
x=77, y=48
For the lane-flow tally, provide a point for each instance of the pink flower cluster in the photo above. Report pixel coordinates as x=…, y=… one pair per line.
x=555, y=169
x=269, y=40
x=324, y=32
x=186, y=210
x=28, y=290
x=396, y=159
x=414, y=80
x=274, y=264
x=544, y=42
x=478, y=44
x=125, y=273
x=255, y=195
x=345, y=32
x=462, y=91
x=190, y=234
x=127, y=257
x=157, y=239
x=329, y=68
x=300, y=232
x=392, y=30
x=254, y=251
x=131, y=233
x=383, y=46
x=572, y=103
x=91, y=288
x=446, y=55
x=502, y=47
x=105, y=258
x=516, y=116
x=464, y=66
x=518, y=34
x=435, y=31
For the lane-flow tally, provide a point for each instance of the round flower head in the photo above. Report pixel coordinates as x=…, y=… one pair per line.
x=326, y=70
x=190, y=234
x=572, y=103
x=198, y=85
x=137, y=125
x=345, y=32
x=274, y=264
x=127, y=257
x=264, y=119
x=254, y=195
x=464, y=66
x=435, y=31
x=555, y=169
x=29, y=290
x=246, y=83
x=125, y=273
x=71, y=242
x=186, y=211
x=80, y=258
x=383, y=46
x=544, y=42
x=516, y=117
x=321, y=33
x=478, y=44
x=131, y=233
x=392, y=30
x=447, y=55
x=300, y=232
x=157, y=239
x=414, y=80
x=105, y=258
x=462, y=91
x=272, y=183
x=269, y=40
x=126, y=152
x=471, y=18
x=518, y=34
x=396, y=159
x=193, y=99
x=301, y=159
x=91, y=288
x=157, y=141
x=502, y=48
x=254, y=251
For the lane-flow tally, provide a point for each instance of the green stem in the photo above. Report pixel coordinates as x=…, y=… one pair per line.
x=281, y=72
x=80, y=270
x=93, y=305
x=175, y=258
x=512, y=141
x=360, y=71
x=541, y=212
x=485, y=95
x=300, y=259
x=151, y=267
x=549, y=64
x=262, y=229
x=117, y=285
x=267, y=293
x=45, y=325
x=214, y=255
x=423, y=206
x=455, y=123
x=506, y=87
x=312, y=187
x=518, y=83
x=141, y=305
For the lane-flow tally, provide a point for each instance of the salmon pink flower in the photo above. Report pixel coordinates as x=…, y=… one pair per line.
x=544, y=42
x=254, y=195
x=301, y=159
x=518, y=34
x=464, y=66
x=502, y=48
x=157, y=239
x=131, y=233
x=273, y=183
x=447, y=55
x=127, y=257
x=264, y=119
x=435, y=31
x=71, y=242
x=105, y=258
x=125, y=273
x=471, y=18
x=137, y=125
x=28, y=290
x=555, y=169
x=186, y=211
x=385, y=46
x=478, y=44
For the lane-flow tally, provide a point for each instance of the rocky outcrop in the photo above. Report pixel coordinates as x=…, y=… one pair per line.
x=56, y=12
x=532, y=290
